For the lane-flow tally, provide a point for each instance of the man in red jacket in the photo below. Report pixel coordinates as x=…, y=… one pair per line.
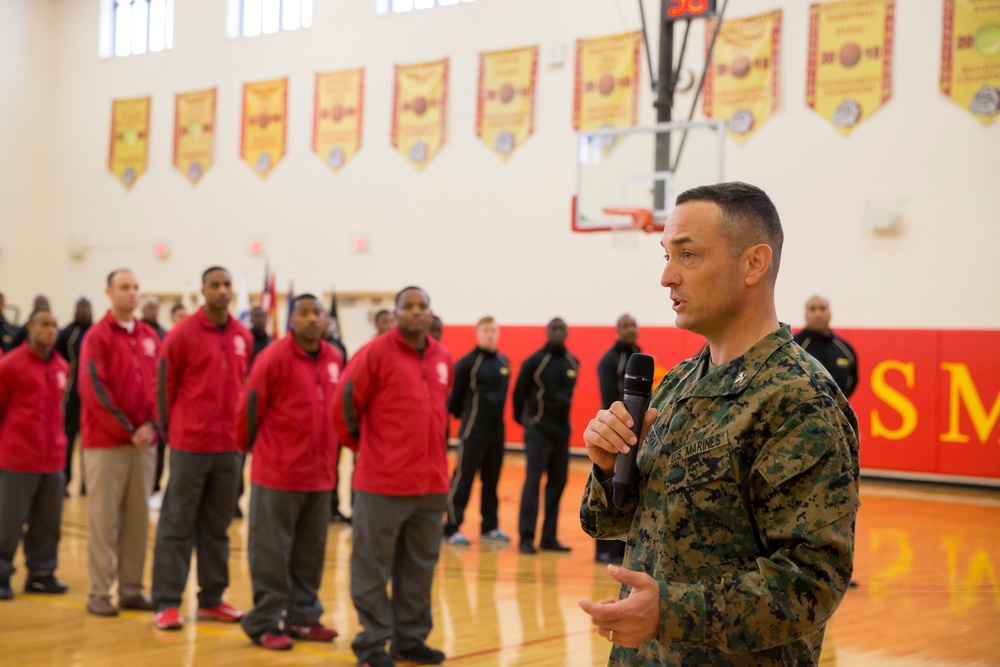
x=117, y=390
x=285, y=422
x=32, y=456
x=202, y=368
x=391, y=410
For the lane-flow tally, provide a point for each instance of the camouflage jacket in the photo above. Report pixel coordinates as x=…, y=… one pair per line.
x=743, y=510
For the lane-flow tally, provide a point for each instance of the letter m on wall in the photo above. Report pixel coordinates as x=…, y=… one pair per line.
x=963, y=392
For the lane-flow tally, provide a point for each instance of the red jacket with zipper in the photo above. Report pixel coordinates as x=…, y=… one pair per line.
x=285, y=417
x=31, y=417
x=391, y=410
x=117, y=382
x=202, y=368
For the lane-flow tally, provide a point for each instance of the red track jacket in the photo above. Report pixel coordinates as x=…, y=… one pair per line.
x=391, y=410
x=117, y=382
x=202, y=368
x=31, y=417
x=285, y=417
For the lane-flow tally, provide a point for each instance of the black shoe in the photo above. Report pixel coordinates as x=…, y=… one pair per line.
x=44, y=583
x=237, y=513
x=379, y=659
x=604, y=558
x=853, y=583
x=6, y=592
x=421, y=654
x=83, y=489
x=337, y=517
x=554, y=545
x=527, y=548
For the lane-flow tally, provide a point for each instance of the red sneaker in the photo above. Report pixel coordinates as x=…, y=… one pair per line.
x=222, y=612
x=313, y=633
x=276, y=641
x=168, y=619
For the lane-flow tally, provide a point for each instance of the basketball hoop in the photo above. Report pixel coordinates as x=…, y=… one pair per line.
x=641, y=218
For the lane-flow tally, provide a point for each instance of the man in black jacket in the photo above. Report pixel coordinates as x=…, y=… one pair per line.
x=829, y=349
x=611, y=378
x=542, y=396
x=478, y=399
x=6, y=329
x=68, y=346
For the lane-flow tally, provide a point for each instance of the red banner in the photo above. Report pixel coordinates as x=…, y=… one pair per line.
x=928, y=402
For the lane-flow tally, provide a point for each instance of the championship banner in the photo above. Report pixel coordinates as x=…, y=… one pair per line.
x=970, y=56
x=129, y=139
x=505, y=115
x=741, y=86
x=194, y=133
x=419, y=110
x=850, y=59
x=337, y=112
x=265, y=124
x=606, y=88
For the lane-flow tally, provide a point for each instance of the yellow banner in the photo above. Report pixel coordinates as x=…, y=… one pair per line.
x=265, y=124
x=970, y=56
x=505, y=115
x=606, y=86
x=129, y=139
x=742, y=83
x=337, y=113
x=850, y=59
x=194, y=133
x=419, y=111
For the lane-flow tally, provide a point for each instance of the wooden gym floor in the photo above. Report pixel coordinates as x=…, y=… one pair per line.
x=927, y=559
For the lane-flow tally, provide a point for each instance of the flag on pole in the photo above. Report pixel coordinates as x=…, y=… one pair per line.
x=336, y=333
x=291, y=299
x=243, y=302
x=269, y=302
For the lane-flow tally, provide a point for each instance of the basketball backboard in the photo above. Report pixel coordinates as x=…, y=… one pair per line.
x=624, y=179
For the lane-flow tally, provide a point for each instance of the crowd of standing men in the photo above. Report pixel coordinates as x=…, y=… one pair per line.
x=213, y=391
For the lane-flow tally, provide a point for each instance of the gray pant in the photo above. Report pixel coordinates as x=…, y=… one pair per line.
x=286, y=549
x=119, y=481
x=196, y=511
x=34, y=499
x=397, y=538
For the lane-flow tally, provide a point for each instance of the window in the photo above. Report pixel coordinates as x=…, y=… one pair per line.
x=398, y=6
x=130, y=27
x=249, y=18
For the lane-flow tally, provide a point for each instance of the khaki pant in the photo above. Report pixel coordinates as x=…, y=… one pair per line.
x=119, y=483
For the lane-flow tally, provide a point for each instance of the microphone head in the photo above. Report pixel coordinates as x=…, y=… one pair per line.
x=639, y=373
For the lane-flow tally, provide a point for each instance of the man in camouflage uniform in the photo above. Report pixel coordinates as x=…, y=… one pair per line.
x=740, y=524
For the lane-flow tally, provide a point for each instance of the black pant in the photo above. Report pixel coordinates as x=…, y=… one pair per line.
x=161, y=450
x=549, y=454
x=486, y=457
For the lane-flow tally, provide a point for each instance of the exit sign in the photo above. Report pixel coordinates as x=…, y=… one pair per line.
x=681, y=10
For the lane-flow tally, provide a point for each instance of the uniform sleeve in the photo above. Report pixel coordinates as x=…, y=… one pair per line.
x=599, y=517
x=804, y=499
x=456, y=400
x=94, y=392
x=522, y=386
x=351, y=399
x=253, y=403
x=607, y=379
x=61, y=342
x=170, y=369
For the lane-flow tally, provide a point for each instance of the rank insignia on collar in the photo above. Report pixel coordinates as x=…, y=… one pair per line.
x=739, y=378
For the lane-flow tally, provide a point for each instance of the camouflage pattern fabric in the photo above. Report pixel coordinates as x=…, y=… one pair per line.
x=743, y=510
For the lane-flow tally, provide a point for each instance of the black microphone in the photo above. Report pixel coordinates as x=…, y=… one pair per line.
x=638, y=389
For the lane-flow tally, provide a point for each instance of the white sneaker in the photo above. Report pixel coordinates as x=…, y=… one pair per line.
x=496, y=535
x=156, y=501
x=458, y=540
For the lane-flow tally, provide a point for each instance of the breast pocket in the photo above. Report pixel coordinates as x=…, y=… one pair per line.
x=707, y=522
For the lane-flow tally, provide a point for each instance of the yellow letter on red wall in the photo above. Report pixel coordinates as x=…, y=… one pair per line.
x=895, y=400
x=963, y=391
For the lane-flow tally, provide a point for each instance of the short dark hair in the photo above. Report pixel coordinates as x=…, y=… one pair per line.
x=111, y=276
x=748, y=216
x=303, y=297
x=177, y=306
x=31, y=316
x=400, y=293
x=204, y=274
x=382, y=312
